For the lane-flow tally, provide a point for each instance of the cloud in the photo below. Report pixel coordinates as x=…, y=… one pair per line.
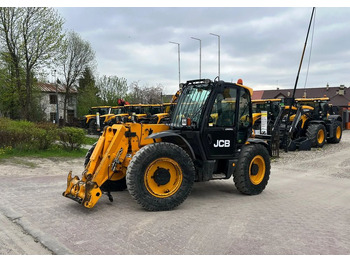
x=261, y=45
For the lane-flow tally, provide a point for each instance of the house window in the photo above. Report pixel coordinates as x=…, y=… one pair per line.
x=70, y=101
x=70, y=116
x=53, y=116
x=53, y=99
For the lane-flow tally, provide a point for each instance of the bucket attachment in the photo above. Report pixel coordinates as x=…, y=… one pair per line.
x=301, y=143
x=85, y=192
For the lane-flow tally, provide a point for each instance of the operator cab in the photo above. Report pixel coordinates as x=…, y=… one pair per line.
x=214, y=117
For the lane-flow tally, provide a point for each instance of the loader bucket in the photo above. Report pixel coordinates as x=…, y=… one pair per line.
x=301, y=143
x=86, y=192
x=305, y=144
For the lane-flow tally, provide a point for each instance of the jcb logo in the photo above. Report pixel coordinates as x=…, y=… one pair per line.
x=222, y=143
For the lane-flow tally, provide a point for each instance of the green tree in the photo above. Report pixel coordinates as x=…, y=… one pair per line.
x=9, y=97
x=87, y=93
x=12, y=84
x=42, y=36
x=30, y=38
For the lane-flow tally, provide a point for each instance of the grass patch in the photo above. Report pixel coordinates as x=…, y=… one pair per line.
x=90, y=140
x=23, y=162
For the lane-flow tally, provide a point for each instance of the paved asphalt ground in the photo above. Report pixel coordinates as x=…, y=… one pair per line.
x=305, y=209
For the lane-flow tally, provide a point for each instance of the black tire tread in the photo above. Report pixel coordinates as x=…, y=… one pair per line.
x=311, y=133
x=334, y=139
x=140, y=161
x=241, y=174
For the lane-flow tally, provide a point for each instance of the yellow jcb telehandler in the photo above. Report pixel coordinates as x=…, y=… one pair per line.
x=207, y=138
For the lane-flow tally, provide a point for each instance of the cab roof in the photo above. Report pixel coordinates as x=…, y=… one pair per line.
x=312, y=99
x=95, y=107
x=266, y=100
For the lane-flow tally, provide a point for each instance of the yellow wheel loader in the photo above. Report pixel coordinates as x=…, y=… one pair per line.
x=93, y=121
x=311, y=124
x=158, y=163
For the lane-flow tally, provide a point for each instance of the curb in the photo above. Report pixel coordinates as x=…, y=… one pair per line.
x=45, y=240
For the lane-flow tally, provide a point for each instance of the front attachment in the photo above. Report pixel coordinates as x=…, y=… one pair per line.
x=85, y=192
x=301, y=143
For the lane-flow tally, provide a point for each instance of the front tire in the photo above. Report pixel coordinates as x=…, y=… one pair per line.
x=337, y=131
x=317, y=134
x=253, y=170
x=92, y=127
x=160, y=176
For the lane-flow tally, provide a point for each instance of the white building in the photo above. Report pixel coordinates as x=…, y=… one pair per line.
x=51, y=94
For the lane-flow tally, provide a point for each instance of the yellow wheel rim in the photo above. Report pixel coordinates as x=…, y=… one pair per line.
x=338, y=132
x=163, y=177
x=320, y=136
x=257, y=170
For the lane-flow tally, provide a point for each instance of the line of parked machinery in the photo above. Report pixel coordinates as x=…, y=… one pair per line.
x=101, y=116
x=309, y=122
x=306, y=123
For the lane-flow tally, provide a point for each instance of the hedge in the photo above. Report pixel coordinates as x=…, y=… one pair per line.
x=24, y=135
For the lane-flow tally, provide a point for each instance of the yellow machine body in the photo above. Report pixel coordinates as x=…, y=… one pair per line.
x=110, y=159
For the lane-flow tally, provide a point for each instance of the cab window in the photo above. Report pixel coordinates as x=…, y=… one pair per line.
x=244, y=121
x=223, y=110
x=244, y=100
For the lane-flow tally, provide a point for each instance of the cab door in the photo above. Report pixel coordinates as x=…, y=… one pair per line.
x=219, y=132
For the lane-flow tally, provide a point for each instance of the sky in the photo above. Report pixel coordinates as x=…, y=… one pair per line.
x=261, y=45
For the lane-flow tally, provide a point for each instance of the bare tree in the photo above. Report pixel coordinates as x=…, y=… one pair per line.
x=136, y=93
x=145, y=94
x=152, y=94
x=77, y=55
x=112, y=88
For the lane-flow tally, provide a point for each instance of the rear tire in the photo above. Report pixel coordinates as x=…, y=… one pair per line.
x=317, y=134
x=92, y=129
x=337, y=131
x=253, y=170
x=160, y=176
x=88, y=154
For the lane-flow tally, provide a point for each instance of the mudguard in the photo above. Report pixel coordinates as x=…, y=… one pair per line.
x=261, y=142
x=175, y=138
x=333, y=118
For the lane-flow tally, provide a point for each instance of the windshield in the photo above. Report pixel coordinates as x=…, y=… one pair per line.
x=257, y=108
x=136, y=109
x=101, y=111
x=117, y=111
x=190, y=105
x=156, y=110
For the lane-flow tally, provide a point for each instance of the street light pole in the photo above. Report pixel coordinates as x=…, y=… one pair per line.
x=57, y=112
x=218, y=51
x=200, y=56
x=178, y=55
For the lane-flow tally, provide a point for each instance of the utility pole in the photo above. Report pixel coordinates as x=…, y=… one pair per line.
x=54, y=73
x=200, y=56
x=218, y=53
x=178, y=55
